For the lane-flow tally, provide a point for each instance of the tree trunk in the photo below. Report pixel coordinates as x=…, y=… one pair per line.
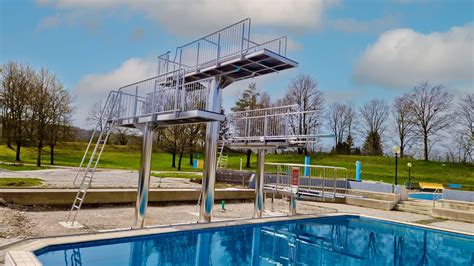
x=40, y=151
x=179, y=161
x=51, y=158
x=249, y=153
x=425, y=148
x=191, y=158
x=18, y=147
x=173, y=163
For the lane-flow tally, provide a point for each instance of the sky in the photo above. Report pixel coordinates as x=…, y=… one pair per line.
x=355, y=50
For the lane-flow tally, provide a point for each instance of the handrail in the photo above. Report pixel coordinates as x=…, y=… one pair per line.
x=308, y=165
x=267, y=108
x=435, y=198
x=247, y=19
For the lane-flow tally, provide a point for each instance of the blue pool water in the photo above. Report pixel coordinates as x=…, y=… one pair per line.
x=342, y=240
x=423, y=196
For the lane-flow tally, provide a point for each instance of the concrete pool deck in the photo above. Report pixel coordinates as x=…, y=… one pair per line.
x=20, y=222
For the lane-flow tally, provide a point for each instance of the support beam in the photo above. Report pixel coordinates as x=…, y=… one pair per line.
x=259, y=178
x=210, y=162
x=144, y=176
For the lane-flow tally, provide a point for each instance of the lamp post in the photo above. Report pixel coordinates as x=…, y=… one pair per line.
x=409, y=176
x=396, y=151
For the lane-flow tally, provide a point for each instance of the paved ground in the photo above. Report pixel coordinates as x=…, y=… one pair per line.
x=17, y=222
x=64, y=177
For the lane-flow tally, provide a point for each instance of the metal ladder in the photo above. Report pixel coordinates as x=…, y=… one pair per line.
x=108, y=118
x=222, y=159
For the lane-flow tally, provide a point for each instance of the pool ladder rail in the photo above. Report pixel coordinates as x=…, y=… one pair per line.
x=104, y=128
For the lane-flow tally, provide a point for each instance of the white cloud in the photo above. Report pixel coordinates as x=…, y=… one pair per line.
x=95, y=87
x=360, y=26
x=403, y=58
x=190, y=17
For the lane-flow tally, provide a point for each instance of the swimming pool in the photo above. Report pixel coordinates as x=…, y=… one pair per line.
x=338, y=240
x=424, y=196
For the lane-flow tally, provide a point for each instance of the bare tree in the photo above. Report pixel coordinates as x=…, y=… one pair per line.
x=430, y=109
x=336, y=116
x=401, y=113
x=17, y=83
x=41, y=108
x=374, y=115
x=465, y=119
x=304, y=91
x=94, y=114
x=59, y=126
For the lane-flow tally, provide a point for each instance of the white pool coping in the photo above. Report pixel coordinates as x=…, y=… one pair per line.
x=23, y=255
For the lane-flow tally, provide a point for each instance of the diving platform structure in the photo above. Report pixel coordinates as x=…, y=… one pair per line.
x=187, y=89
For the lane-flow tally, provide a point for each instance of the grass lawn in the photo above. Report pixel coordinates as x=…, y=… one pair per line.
x=373, y=168
x=20, y=167
x=177, y=175
x=19, y=182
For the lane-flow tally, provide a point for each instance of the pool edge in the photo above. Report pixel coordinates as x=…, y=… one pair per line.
x=16, y=255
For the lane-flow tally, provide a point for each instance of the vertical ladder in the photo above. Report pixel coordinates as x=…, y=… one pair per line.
x=221, y=159
x=107, y=119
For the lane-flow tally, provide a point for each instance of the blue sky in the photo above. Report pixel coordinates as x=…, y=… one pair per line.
x=356, y=50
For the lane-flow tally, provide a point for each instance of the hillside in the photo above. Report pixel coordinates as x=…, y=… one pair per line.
x=374, y=168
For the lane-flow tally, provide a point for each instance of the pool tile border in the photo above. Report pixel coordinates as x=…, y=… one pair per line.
x=23, y=254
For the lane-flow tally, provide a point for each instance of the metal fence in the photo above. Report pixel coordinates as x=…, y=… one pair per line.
x=269, y=124
x=161, y=94
x=325, y=181
x=223, y=45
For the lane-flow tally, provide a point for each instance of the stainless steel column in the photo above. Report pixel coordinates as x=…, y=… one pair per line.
x=292, y=205
x=212, y=136
x=144, y=176
x=259, y=178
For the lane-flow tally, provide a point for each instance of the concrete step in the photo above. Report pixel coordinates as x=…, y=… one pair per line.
x=458, y=215
x=417, y=205
x=412, y=210
x=371, y=203
x=374, y=195
x=456, y=205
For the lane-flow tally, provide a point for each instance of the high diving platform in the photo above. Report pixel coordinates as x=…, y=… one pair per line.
x=187, y=89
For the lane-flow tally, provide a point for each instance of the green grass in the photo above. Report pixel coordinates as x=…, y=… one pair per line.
x=114, y=156
x=177, y=175
x=377, y=168
x=373, y=168
x=20, y=167
x=19, y=182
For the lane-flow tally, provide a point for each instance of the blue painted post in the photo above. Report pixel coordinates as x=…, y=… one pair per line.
x=195, y=164
x=358, y=170
x=307, y=160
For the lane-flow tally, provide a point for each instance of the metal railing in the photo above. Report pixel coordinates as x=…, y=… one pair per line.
x=223, y=45
x=269, y=124
x=437, y=195
x=162, y=94
x=321, y=181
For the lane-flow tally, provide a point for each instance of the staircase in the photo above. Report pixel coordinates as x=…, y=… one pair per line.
x=415, y=206
x=103, y=129
x=222, y=159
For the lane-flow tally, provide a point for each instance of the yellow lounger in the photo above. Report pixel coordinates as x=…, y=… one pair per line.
x=427, y=185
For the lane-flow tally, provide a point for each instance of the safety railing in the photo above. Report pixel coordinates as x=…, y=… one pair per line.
x=437, y=195
x=314, y=180
x=223, y=45
x=269, y=124
x=162, y=94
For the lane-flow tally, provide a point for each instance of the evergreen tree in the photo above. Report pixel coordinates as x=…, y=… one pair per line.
x=373, y=144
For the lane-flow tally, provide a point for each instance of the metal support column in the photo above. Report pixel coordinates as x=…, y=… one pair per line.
x=259, y=178
x=212, y=136
x=144, y=176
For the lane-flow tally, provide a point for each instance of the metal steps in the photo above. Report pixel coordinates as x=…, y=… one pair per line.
x=107, y=119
